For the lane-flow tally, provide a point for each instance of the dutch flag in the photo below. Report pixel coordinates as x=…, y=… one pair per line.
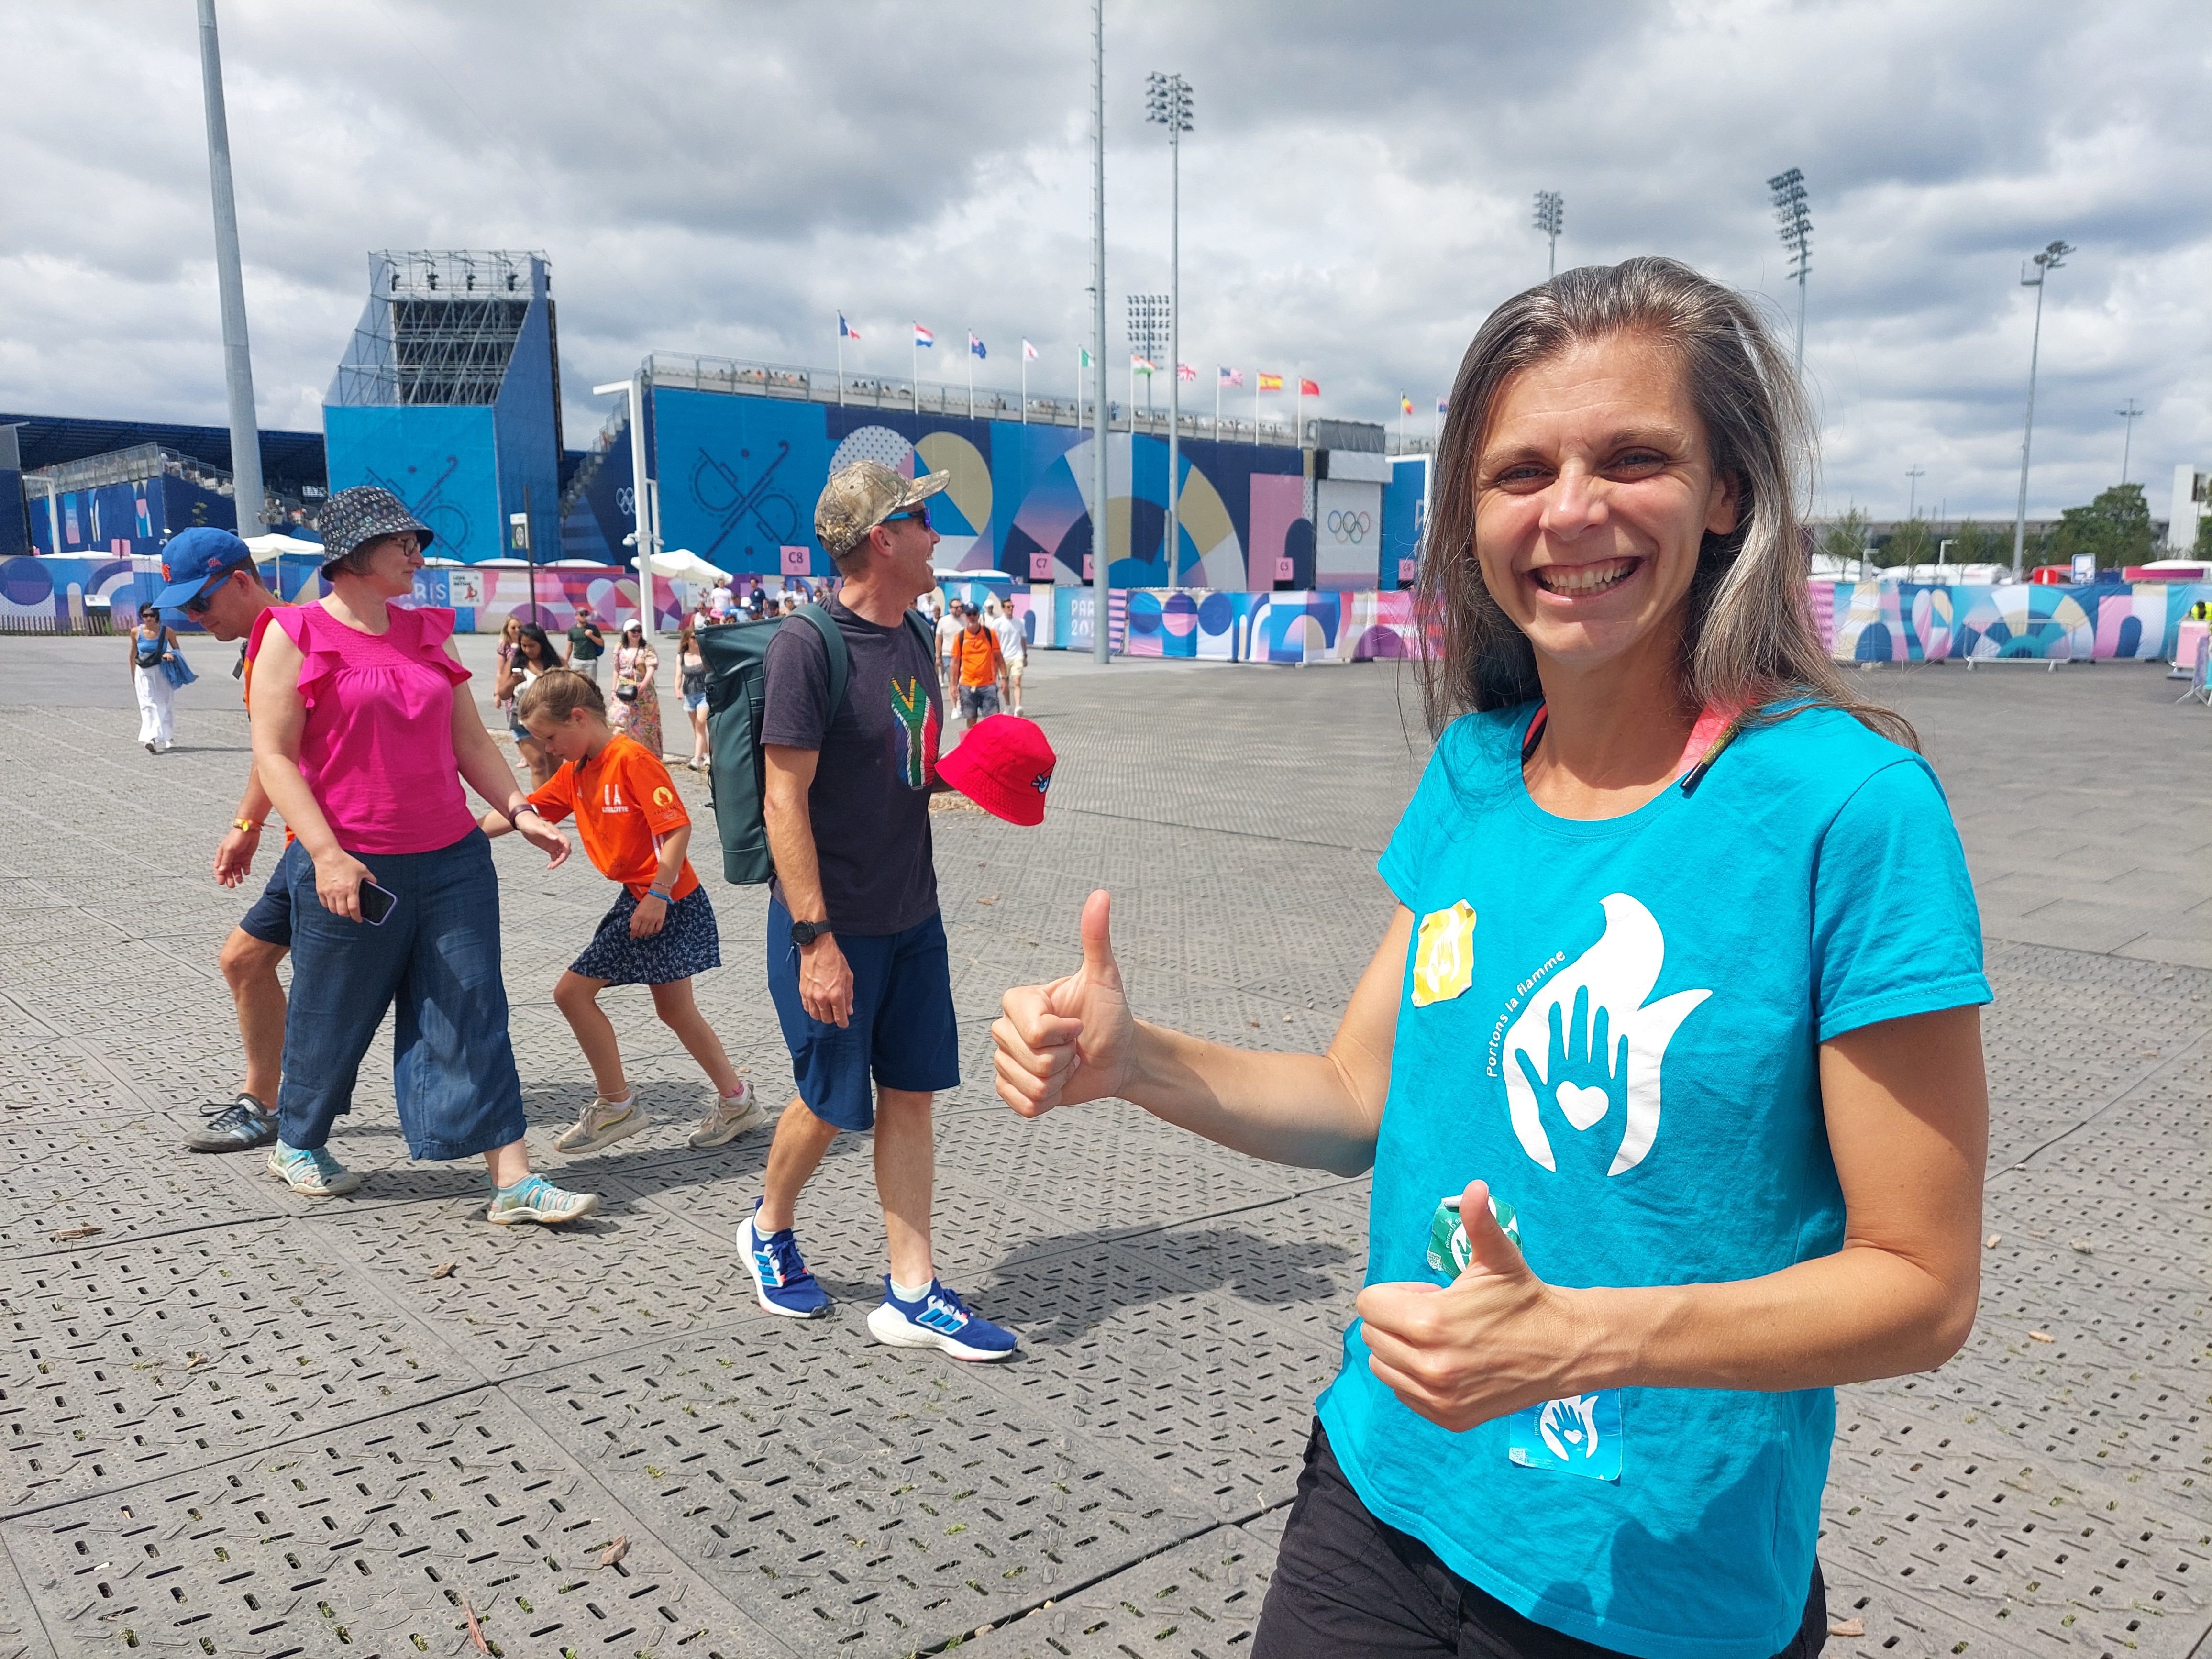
x=922, y=336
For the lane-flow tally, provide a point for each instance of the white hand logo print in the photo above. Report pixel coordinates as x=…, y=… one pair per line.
x=1598, y=1040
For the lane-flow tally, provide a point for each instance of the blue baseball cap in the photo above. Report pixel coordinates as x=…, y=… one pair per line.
x=195, y=558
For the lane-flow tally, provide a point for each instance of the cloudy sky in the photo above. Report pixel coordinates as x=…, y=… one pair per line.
x=723, y=178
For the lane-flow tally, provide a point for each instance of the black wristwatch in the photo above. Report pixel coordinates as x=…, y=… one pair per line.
x=806, y=932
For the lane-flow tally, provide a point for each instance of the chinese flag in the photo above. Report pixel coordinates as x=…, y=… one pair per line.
x=1271, y=383
x=1308, y=388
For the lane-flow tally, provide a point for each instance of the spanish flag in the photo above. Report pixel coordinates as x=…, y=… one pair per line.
x=1271, y=383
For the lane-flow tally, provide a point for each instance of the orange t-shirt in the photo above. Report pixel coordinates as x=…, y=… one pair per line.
x=253, y=649
x=977, y=655
x=624, y=802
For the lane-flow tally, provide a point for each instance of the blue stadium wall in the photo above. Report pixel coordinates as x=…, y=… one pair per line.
x=120, y=520
x=442, y=461
x=738, y=477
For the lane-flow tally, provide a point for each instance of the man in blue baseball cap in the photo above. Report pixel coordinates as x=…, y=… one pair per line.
x=209, y=576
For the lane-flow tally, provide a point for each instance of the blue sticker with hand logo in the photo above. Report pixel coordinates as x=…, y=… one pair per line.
x=1580, y=1435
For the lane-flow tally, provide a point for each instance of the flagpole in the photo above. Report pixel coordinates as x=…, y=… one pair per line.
x=917, y=374
x=1256, y=378
x=971, y=373
x=841, y=360
x=1101, y=636
x=1025, y=383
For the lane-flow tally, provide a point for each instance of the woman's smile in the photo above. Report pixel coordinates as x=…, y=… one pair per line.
x=1583, y=581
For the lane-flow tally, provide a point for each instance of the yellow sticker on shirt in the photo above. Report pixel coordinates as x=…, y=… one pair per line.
x=1443, y=954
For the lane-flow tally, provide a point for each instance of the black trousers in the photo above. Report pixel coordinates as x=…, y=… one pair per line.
x=1346, y=1587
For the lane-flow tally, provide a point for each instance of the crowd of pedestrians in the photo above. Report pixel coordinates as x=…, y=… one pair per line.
x=1586, y=1400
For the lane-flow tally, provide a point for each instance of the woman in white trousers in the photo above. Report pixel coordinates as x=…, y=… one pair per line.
x=149, y=679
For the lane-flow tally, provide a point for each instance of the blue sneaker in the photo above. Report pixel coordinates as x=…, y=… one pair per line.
x=780, y=1280
x=939, y=1319
x=311, y=1171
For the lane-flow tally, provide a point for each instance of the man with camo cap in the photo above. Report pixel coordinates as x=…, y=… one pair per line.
x=856, y=955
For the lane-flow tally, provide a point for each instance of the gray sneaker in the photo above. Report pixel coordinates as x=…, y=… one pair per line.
x=730, y=1116
x=233, y=1126
x=604, y=1123
x=535, y=1198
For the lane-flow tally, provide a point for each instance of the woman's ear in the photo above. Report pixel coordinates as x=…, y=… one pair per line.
x=1725, y=506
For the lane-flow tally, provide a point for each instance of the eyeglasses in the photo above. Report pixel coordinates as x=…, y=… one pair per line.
x=198, y=605
x=919, y=515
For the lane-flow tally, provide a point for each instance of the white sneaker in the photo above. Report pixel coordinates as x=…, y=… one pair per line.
x=730, y=1116
x=604, y=1123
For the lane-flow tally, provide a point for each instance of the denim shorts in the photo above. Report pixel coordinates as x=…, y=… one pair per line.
x=902, y=1033
x=694, y=700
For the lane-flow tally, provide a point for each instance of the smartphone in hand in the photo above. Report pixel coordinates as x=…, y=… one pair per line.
x=376, y=904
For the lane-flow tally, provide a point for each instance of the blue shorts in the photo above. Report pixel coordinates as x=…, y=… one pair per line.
x=694, y=700
x=269, y=920
x=902, y=1034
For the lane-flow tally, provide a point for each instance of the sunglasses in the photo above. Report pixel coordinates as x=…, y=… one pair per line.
x=919, y=515
x=201, y=602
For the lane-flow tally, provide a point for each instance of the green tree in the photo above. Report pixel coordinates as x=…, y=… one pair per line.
x=1909, y=544
x=2115, y=528
x=1846, y=539
x=2203, y=549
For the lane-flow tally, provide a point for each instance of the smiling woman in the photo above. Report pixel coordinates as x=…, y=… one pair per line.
x=1669, y=1065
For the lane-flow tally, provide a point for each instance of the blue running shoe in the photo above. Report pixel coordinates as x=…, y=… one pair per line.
x=938, y=1318
x=233, y=1126
x=780, y=1280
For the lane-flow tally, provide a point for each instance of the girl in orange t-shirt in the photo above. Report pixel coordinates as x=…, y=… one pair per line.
x=661, y=930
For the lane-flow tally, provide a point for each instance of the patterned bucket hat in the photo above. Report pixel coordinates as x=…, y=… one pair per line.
x=860, y=496
x=354, y=518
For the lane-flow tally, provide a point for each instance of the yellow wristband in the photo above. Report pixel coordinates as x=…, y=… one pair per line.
x=247, y=824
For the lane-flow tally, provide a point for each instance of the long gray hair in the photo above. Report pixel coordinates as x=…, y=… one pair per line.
x=1748, y=636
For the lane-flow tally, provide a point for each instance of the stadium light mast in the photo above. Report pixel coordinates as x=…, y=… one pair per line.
x=2131, y=415
x=2049, y=260
x=1794, y=217
x=1550, y=219
x=1167, y=104
x=1099, y=642
x=230, y=284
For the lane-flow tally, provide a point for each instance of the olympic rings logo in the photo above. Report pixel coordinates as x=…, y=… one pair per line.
x=1353, y=527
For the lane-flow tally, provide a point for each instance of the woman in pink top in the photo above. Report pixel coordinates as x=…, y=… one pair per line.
x=362, y=745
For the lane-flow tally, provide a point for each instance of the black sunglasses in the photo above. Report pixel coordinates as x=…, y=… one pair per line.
x=919, y=515
x=198, y=605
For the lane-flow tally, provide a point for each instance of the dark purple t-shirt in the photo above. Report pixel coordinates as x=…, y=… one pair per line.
x=870, y=799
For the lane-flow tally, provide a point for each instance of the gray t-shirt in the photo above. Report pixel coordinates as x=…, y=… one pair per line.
x=870, y=799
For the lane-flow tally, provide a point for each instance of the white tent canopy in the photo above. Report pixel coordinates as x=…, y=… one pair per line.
x=265, y=548
x=681, y=564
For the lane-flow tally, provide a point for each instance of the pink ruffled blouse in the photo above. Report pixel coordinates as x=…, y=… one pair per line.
x=378, y=751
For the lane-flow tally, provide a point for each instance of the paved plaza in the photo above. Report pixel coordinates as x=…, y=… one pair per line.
x=240, y=1423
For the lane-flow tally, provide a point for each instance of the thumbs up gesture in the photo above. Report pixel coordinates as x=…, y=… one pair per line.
x=1071, y=1041
x=1494, y=1340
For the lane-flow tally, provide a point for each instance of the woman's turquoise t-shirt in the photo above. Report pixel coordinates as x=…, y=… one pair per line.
x=1616, y=1025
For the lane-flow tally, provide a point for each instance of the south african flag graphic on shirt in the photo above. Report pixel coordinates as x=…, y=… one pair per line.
x=917, y=721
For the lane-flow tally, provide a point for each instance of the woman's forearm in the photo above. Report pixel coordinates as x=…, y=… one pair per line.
x=1299, y=1109
x=1862, y=1313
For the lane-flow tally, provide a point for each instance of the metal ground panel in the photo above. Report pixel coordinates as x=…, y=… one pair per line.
x=385, y=1538
x=128, y=1363
x=855, y=1499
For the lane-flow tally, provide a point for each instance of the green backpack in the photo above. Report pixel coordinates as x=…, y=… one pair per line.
x=736, y=657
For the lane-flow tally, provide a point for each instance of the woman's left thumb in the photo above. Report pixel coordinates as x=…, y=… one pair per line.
x=1491, y=1249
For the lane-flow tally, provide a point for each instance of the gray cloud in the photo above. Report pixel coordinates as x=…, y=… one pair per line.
x=723, y=178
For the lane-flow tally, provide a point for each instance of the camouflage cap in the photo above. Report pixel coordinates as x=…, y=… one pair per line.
x=860, y=496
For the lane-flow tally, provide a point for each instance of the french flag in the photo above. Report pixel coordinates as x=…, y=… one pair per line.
x=845, y=329
x=922, y=336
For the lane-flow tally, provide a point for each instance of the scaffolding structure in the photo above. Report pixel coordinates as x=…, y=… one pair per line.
x=440, y=327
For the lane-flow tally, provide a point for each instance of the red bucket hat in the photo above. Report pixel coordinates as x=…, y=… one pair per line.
x=1004, y=765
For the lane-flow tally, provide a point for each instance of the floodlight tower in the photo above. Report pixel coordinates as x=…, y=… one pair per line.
x=1167, y=104
x=1550, y=219
x=230, y=288
x=2049, y=260
x=2131, y=415
x=1100, y=643
x=1794, y=219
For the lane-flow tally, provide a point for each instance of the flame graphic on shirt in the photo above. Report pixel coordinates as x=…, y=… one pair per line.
x=1443, y=954
x=1609, y=1040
